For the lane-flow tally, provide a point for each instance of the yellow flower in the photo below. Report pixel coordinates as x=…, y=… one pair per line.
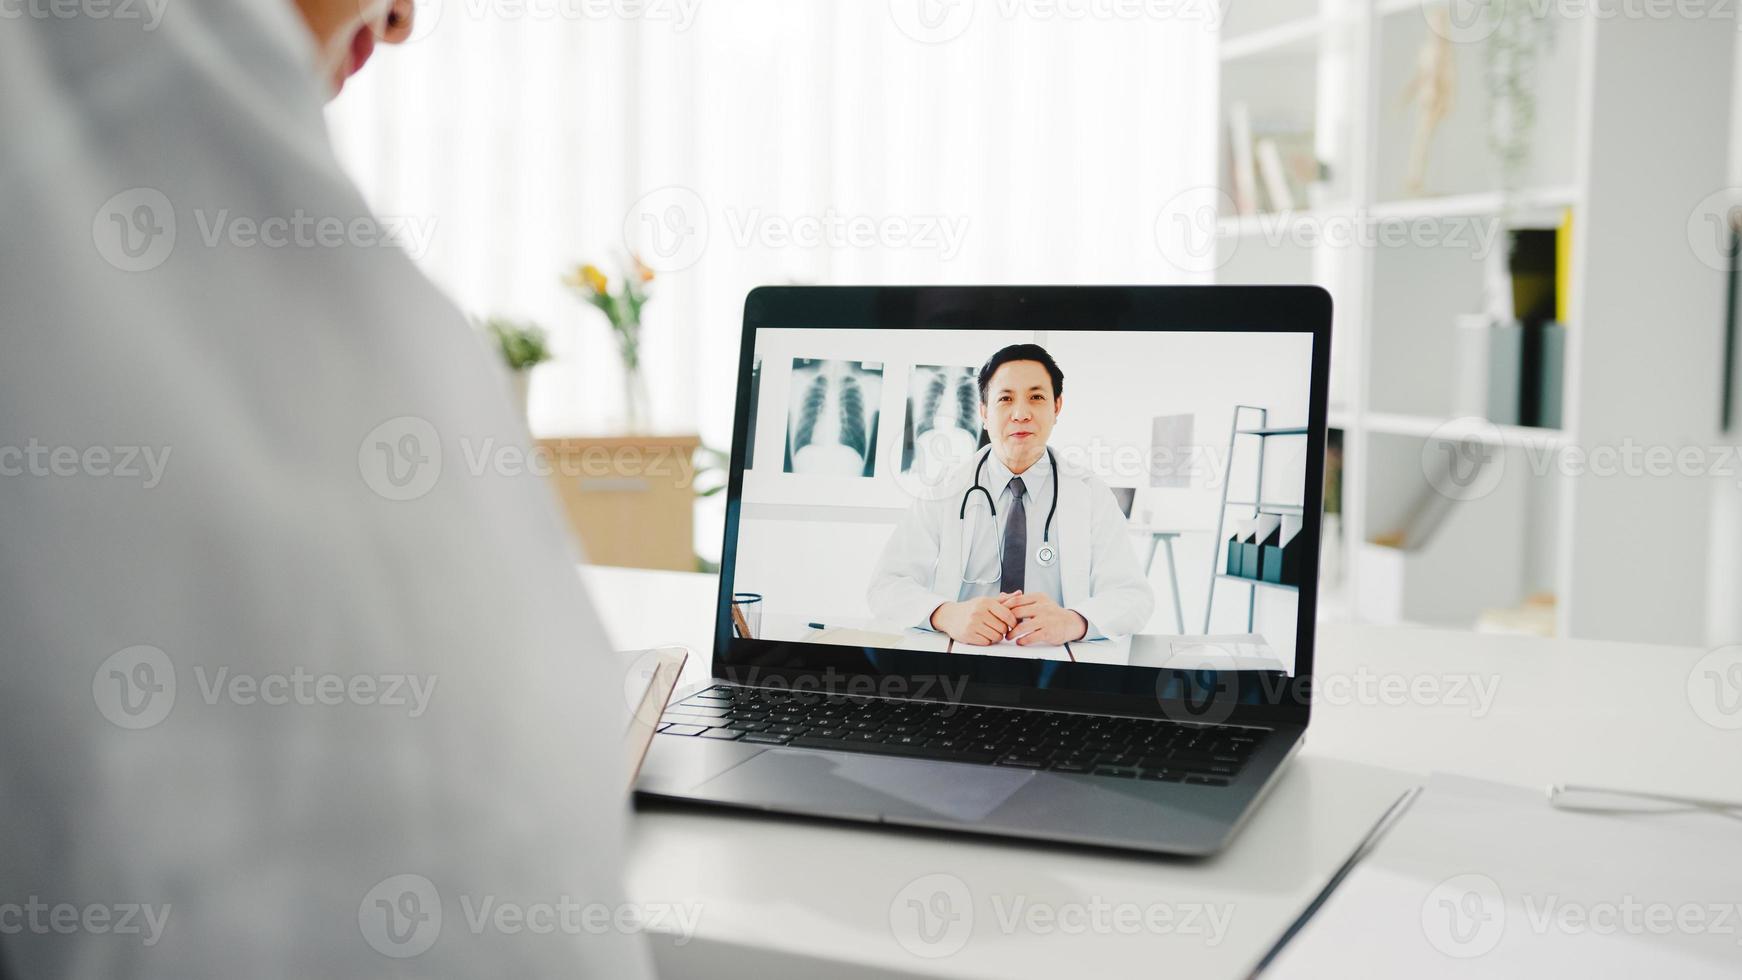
x=595, y=279
x=588, y=277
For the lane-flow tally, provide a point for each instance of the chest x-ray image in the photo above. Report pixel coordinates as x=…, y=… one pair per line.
x=831, y=427
x=943, y=423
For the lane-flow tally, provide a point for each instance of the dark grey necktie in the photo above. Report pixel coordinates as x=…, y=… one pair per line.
x=1015, y=541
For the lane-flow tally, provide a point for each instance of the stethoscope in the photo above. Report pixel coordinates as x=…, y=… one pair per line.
x=1044, y=555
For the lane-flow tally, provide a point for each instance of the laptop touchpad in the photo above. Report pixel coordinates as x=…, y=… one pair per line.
x=853, y=785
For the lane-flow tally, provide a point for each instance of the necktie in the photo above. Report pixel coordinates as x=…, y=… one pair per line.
x=1015, y=541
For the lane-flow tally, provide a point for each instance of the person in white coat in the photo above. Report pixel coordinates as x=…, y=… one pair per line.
x=1015, y=545
x=283, y=695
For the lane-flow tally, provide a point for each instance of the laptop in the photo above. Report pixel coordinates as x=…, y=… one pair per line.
x=934, y=612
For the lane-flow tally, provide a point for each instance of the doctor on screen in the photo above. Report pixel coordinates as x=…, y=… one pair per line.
x=1016, y=546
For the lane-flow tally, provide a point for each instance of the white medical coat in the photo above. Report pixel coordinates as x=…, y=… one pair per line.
x=922, y=564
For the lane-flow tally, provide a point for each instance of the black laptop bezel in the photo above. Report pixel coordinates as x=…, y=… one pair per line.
x=1234, y=697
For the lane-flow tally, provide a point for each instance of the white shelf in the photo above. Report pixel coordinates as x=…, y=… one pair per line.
x=1422, y=426
x=1385, y=8
x=1262, y=225
x=1540, y=199
x=1296, y=37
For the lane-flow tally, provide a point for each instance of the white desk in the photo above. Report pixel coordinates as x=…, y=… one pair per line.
x=796, y=898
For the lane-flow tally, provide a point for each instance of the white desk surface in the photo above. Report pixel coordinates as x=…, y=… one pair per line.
x=791, y=898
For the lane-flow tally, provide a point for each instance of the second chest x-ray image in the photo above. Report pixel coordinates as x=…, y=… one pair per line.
x=1076, y=495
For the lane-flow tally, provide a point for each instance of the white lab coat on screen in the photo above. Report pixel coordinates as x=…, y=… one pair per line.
x=225, y=504
x=922, y=564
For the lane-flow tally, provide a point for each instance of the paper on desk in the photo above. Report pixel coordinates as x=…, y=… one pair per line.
x=1479, y=877
x=1243, y=651
x=909, y=640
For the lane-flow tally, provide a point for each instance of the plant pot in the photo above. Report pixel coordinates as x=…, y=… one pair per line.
x=520, y=387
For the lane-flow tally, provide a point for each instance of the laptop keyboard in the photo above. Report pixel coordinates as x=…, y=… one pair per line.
x=1091, y=745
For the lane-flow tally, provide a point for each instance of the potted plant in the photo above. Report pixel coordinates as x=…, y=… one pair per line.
x=523, y=346
x=622, y=308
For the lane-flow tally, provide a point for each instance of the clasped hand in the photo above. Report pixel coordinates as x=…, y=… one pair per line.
x=1026, y=617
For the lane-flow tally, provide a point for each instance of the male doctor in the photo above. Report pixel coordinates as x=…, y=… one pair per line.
x=1017, y=546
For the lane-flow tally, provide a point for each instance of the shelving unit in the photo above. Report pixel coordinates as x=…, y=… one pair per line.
x=1263, y=432
x=1613, y=94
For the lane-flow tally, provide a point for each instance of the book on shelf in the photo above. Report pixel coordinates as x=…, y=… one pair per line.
x=1241, y=155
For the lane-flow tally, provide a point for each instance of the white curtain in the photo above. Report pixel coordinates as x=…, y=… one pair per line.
x=1030, y=147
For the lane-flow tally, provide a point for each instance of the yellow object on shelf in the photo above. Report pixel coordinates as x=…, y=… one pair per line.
x=1563, y=268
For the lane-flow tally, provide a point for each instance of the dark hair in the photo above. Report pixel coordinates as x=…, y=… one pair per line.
x=1022, y=352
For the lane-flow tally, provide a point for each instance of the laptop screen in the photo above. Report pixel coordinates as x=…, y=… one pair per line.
x=1117, y=498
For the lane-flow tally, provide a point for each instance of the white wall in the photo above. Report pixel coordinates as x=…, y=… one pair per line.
x=808, y=544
